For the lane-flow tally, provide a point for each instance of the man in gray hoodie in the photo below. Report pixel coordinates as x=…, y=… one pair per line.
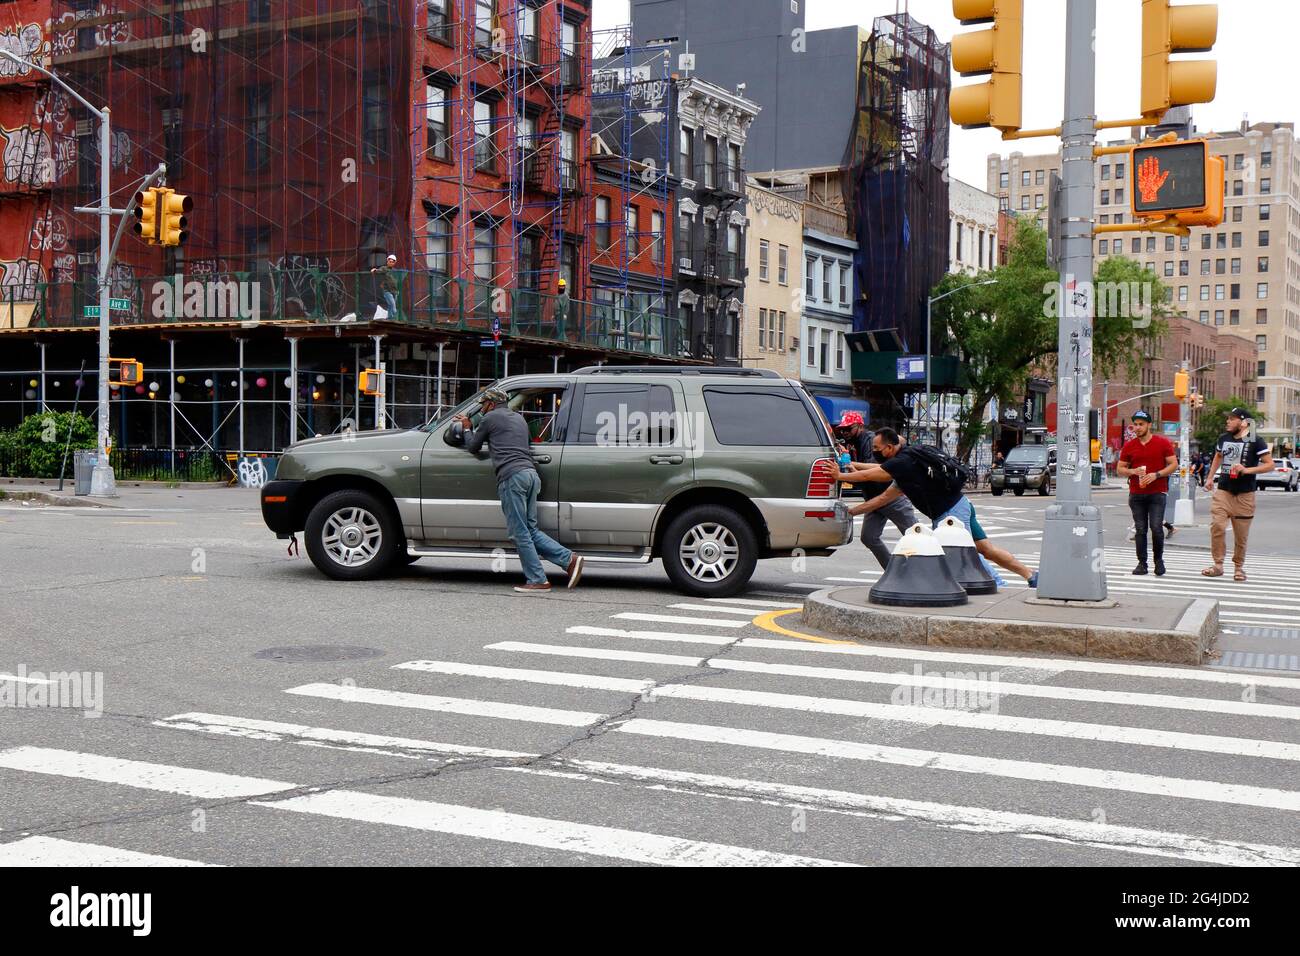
x=518, y=483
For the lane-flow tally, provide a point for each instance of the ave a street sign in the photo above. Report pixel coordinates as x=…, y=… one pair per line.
x=121, y=305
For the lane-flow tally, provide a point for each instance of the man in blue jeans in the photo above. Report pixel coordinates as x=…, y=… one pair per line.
x=518, y=483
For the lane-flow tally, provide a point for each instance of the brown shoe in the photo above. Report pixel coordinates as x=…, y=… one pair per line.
x=574, y=570
x=533, y=588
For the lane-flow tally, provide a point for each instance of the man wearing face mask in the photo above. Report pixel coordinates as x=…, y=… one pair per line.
x=1238, y=458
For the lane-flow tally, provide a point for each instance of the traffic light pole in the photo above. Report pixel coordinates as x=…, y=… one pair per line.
x=1184, y=510
x=1072, y=565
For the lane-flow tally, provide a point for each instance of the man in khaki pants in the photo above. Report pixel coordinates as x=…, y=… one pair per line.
x=1238, y=458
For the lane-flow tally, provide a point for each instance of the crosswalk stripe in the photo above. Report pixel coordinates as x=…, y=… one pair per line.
x=495, y=825
x=49, y=851
x=992, y=687
x=964, y=818
x=750, y=603
x=924, y=716
x=669, y=636
x=554, y=678
x=714, y=609
x=498, y=825
x=447, y=705
x=24, y=679
x=1054, y=664
x=1015, y=534
x=672, y=619
x=1119, y=780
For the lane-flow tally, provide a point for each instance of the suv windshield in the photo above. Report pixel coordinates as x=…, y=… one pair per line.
x=1027, y=456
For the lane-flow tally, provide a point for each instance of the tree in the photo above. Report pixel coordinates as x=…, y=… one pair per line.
x=1006, y=332
x=1214, y=420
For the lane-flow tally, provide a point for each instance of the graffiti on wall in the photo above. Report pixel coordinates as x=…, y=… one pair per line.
x=29, y=157
x=49, y=232
x=51, y=109
x=26, y=42
x=69, y=38
x=19, y=279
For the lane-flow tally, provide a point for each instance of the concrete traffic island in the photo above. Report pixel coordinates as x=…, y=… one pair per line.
x=1150, y=627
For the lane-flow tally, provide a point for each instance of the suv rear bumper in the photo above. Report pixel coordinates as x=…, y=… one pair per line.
x=280, y=506
x=805, y=522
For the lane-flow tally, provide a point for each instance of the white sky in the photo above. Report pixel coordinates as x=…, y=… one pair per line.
x=1255, y=51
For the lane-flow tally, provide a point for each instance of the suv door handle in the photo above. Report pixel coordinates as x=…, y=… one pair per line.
x=542, y=459
x=666, y=459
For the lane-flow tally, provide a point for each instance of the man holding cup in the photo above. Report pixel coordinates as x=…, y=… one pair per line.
x=1147, y=460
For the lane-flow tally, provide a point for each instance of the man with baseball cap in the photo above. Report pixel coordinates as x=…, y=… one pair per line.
x=1238, y=458
x=388, y=283
x=853, y=432
x=518, y=483
x=1147, y=460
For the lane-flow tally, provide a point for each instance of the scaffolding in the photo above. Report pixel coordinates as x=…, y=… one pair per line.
x=896, y=189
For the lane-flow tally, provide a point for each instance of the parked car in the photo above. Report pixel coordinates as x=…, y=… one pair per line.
x=707, y=469
x=1027, y=468
x=1285, y=475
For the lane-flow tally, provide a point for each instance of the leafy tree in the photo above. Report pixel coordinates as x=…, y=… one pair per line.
x=1006, y=332
x=35, y=448
x=1214, y=420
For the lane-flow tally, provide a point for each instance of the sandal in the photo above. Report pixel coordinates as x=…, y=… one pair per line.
x=1213, y=571
x=1240, y=575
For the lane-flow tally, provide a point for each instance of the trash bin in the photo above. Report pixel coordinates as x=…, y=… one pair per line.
x=1098, y=474
x=83, y=466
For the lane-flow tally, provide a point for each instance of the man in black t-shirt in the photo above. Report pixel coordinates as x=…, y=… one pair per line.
x=1238, y=458
x=853, y=431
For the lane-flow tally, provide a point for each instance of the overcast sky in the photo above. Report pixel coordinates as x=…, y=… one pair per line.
x=1254, y=36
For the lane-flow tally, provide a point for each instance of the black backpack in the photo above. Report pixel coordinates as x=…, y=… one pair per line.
x=943, y=467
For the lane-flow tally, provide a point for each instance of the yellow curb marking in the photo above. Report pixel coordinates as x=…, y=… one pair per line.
x=768, y=623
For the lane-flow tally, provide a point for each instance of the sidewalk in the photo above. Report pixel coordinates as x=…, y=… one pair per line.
x=130, y=495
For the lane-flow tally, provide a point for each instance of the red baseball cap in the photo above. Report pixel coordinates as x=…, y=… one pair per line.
x=850, y=418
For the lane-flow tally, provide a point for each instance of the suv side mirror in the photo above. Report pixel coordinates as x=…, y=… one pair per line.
x=454, y=435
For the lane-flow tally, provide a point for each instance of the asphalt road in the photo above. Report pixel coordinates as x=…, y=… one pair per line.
x=617, y=723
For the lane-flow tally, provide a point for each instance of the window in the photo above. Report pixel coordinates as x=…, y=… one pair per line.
x=1263, y=237
x=1236, y=214
x=632, y=236
x=1169, y=243
x=484, y=262
x=1239, y=161
x=437, y=131
x=839, y=351
x=483, y=16
x=1205, y=293
x=1205, y=267
x=782, y=265
x=1184, y=267
x=1204, y=318
x=1261, y=290
x=1266, y=160
x=617, y=414
x=1103, y=246
x=1234, y=317
x=809, y=280
x=1221, y=240
x=257, y=124
x=981, y=248
x=1266, y=185
x=569, y=265
x=1119, y=171
x=602, y=223
x=1263, y=263
x=374, y=241
x=844, y=284
x=1234, y=290
x=1169, y=267
x=733, y=167
x=1105, y=172
x=437, y=243
x=1137, y=246
x=1182, y=293
x=764, y=251
x=762, y=330
x=1024, y=201
x=657, y=237
x=1105, y=197
x=1236, y=240
x=825, y=353
x=1119, y=197
x=687, y=149
x=1184, y=243
x=1261, y=343
x=812, y=346
x=377, y=105
x=527, y=27
x=1218, y=316
x=1219, y=293
x=1237, y=187
x=1259, y=393
x=780, y=331
x=1220, y=267
x=1265, y=212
x=710, y=161
x=731, y=267
x=1236, y=267
x=958, y=255
x=1206, y=240
x=1261, y=316
x=1024, y=178
x=748, y=415
x=484, y=142
x=1261, y=369
x=1117, y=247
x=827, y=267
x=1004, y=181
x=685, y=245
x=1151, y=243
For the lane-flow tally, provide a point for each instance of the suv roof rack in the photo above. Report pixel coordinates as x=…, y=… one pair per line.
x=676, y=370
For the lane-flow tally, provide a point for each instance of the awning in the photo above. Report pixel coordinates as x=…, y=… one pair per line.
x=836, y=407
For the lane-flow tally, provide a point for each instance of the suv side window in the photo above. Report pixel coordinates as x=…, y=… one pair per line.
x=540, y=406
x=748, y=415
x=625, y=414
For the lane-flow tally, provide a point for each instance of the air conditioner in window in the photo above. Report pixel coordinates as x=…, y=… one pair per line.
x=794, y=343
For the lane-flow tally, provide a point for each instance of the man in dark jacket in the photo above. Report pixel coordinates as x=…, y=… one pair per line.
x=506, y=434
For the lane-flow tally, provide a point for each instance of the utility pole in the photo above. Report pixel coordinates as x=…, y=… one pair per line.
x=1184, y=510
x=1072, y=566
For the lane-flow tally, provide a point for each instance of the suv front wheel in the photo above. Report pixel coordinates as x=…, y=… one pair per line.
x=352, y=536
x=710, y=551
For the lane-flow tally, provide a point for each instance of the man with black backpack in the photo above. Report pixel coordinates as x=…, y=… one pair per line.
x=934, y=482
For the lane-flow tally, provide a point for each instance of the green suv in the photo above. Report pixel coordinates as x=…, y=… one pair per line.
x=708, y=469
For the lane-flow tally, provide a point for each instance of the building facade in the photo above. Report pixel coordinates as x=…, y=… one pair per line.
x=773, y=287
x=973, y=233
x=827, y=312
x=1242, y=278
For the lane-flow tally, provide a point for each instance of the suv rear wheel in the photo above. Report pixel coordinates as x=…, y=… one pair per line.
x=352, y=536
x=710, y=551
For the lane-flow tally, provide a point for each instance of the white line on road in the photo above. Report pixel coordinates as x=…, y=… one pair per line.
x=446, y=705
x=716, y=640
x=24, y=680
x=48, y=851
x=671, y=619
x=748, y=603
x=715, y=609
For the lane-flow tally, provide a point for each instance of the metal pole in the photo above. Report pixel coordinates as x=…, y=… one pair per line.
x=102, y=482
x=1184, y=509
x=440, y=347
x=293, y=390
x=1072, y=567
x=383, y=387
x=171, y=400
x=76, y=401
x=41, y=404
x=1105, y=431
x=929, y=357
x=239, y=397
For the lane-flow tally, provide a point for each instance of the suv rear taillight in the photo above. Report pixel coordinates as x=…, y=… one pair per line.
x=821, y=480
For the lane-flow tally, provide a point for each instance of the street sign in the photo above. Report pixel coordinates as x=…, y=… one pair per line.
x=489, y=343
x=90, y=312
x=121, y=305
x=496, y=326
x=911, y=368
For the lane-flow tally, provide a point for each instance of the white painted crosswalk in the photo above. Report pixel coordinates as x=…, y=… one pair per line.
x=691, y=704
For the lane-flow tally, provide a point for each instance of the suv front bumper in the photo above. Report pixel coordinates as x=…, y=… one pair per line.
x=280, y=507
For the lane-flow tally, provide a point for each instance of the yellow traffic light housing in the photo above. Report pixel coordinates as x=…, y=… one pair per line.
x=1177, y=179
x=1167, y=29
x=997, y=53
x=175, y=225
x=372, y=381
x=129, y=371
x=146, y=215
x=1180, y=385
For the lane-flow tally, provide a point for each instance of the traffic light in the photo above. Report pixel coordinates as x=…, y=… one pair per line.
x=1180, y=384
x=1179, y=179
x=146, y=215
x=1096, y=450
x=129, y=371
x=1167, y=29
x=1198, y=401
x=372, y=381
x=175, y=226
x=998, y=53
